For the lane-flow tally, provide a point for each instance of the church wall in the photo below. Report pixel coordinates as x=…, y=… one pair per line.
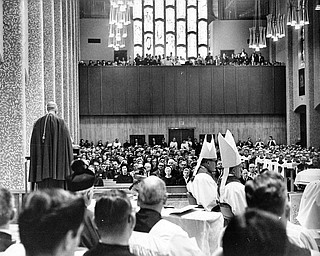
x=231, y=35
x=107, y=128
x=98, y=29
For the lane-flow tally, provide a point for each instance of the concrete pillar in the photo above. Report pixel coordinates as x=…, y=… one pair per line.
x=12, y=90
x=35, y=104
x=293, y=121
x=49, y=50
x=58, y=56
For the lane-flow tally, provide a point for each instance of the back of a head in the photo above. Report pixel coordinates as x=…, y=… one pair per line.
x=152, y=191
x=111, y=212
x=255, y=233
x=6, y=206
x=267, y=192
x=82, y=178
x=52, y=106
x=46, y=218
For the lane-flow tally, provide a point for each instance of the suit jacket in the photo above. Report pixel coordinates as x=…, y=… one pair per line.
x=5, y=241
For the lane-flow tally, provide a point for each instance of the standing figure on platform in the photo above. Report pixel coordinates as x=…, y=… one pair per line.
x=203, y=186
x=231, y=189
x=51, y=151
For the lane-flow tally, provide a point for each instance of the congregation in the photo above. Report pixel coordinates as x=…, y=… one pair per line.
x=173, y=164
x=235, y=59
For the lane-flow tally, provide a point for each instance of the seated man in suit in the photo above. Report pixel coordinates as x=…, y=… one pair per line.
x=6, y=215
x=115, y=220
x=51, y=223
x=151, y=232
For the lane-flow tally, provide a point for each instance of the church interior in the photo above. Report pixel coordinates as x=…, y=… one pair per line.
x=156, y=71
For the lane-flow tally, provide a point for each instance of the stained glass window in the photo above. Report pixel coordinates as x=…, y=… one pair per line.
x=202, y=9
x=181, y=9
x=159, y=50
x=192, y=19
x=170, y=44
x=148, y=43
x=170, y=2
x=192, y=46
x=137, y=9
x=148, y=19
x=159, y=27
x=159, y=9
x=192, y=2
x=170, y=26
x=148, y=2
x=181, y=52
x=137, y=30
x=170, y=20
x=181, y=32
x=203, y=36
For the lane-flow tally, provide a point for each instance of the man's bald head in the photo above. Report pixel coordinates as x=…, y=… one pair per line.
x=152, y=192
x=52, y=106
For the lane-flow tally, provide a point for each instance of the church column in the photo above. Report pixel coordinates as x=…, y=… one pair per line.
x=65, y=60
x=58, y=52
x=312, y=82
x=12, y=91
x=70, y=66
x=76, y=74
x=49, y=50
x=35, y=105
x=293, y=125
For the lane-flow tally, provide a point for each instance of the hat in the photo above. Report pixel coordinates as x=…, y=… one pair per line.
x=81, y=179
x=208, y=151
x=229, y=154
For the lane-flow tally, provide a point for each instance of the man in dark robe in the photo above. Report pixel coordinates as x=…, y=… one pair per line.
x=51, y=151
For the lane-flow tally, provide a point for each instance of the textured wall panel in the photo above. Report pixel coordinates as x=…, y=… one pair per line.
x=65, y=21
x=58, y=55
x=106, y=128
x=70, y=65
x=12, y=86
x=49, y=51
x=35, y=105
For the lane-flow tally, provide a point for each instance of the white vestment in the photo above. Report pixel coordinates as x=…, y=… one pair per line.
x=234, y=195
x=309, y=210
x=204, y=189
x=301, y=236
x=165, y=238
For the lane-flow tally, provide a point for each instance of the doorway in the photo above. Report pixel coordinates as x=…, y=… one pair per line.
x=180, y=134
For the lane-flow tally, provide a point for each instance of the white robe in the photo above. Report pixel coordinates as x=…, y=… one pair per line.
x=234, y=195
x=165, y=238
x=301, y=236
x=309, y=210
x=204, y=189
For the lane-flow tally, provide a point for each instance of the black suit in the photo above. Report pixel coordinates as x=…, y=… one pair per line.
x=5, y=241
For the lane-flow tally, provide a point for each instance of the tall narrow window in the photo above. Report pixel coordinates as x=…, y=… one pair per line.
x=171, y=27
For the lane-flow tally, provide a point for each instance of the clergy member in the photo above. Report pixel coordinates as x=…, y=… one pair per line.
x=202, y=186
x=231, y=189
x=51, y=151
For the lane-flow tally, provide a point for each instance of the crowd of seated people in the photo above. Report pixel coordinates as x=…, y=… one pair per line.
x=52, y=222
x=238, y=59
x=123, y=162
